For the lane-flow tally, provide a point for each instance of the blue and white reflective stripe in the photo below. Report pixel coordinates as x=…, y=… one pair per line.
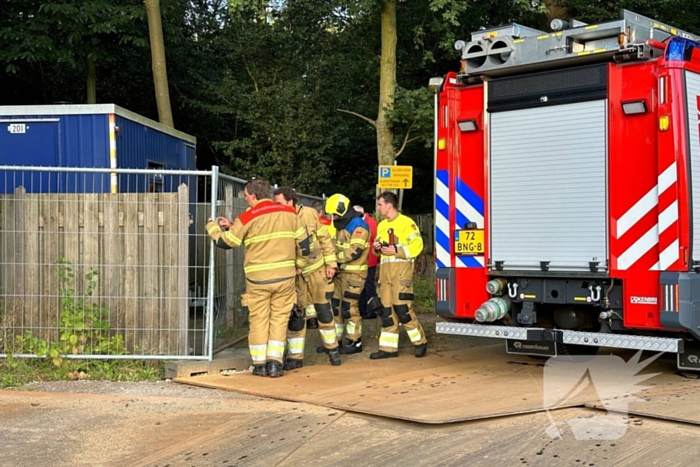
x=469, y=261
x=470, y=208
x=442, y=219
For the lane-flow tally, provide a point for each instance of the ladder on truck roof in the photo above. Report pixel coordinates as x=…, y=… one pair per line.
x=513, y=48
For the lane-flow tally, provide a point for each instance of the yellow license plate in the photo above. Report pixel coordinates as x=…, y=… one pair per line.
x=469, y=242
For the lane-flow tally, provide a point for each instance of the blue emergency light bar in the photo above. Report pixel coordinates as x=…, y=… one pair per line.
x=680, y=48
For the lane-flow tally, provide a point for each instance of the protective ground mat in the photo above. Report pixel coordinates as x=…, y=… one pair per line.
x=445, y=387
x=477, y=383
x=671, y=395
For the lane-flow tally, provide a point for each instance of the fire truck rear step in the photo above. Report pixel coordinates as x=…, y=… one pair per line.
x=618, y=341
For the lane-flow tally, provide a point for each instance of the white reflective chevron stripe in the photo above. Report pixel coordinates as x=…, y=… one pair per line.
x=636, y=212
x=667, y=178
x=668, y=256
x=668, y=217
x=641, y=246
x=648, y=201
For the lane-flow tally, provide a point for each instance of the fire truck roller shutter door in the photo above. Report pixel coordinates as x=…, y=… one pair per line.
x=559, y=155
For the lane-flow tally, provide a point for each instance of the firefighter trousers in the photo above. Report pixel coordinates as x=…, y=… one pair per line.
x=269, y=306
x=314, y=291
x=348, y=287
x=396, y=295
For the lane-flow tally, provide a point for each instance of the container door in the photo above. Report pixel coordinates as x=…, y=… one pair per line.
x=29, y=143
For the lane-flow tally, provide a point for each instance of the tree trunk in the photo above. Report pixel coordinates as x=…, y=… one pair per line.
x=91, y=81
x=387, y=84
x=160, y=73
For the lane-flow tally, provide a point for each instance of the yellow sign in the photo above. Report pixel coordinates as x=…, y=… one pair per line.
x=395, y=176
x=469, y=242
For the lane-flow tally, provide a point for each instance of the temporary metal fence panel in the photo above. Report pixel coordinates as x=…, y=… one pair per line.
x=91, y=274
x=230, y=322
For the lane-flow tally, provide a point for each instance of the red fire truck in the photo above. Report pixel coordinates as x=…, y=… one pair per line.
x=567, y=201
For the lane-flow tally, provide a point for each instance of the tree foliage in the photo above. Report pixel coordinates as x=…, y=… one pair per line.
x=259, y=83
x=75, y=32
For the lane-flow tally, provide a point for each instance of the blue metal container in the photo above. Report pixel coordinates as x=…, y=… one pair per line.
x=81, y=136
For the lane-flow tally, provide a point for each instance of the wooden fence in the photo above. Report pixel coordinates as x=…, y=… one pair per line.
x=138, y=243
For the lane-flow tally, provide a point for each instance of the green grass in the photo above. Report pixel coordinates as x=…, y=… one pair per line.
x=16, y=372
x=424, y=293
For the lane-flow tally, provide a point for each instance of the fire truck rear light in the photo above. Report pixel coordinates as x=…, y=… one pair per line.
x=669, y=297
x=467, y=125
x=664, y=123
x=442, y=290
x=634, y=107
x=442, y=144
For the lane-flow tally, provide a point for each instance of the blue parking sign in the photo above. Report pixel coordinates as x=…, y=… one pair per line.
x=385, y=172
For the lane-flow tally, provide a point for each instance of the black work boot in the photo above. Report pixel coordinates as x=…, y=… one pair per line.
x=420, y=350
x=381, y=354
x=274, y=369
x=351, y=347
x=292, y=364
x=260, y=370
x=322, y=349
x=312, y=323
x=334, y=356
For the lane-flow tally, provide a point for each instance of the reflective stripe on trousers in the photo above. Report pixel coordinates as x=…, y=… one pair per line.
x=275, y=349
x=389, y=339
x=295, y=345
x=258, y=353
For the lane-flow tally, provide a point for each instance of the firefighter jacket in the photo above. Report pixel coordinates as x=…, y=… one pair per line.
x=352, y=245
x=404, y=234
x=273, y=238
x=320, y=245
x=328, y=223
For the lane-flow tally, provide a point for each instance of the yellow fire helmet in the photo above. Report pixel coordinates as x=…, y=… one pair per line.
x=337, y=204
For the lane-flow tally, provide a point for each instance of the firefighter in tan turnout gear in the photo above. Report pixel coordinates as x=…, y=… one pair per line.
x=352, y=248
x=274, y=239
x=399, y=241
x=314, y=285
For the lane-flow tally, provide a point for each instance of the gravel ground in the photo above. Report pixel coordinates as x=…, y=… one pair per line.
x=159, y=388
